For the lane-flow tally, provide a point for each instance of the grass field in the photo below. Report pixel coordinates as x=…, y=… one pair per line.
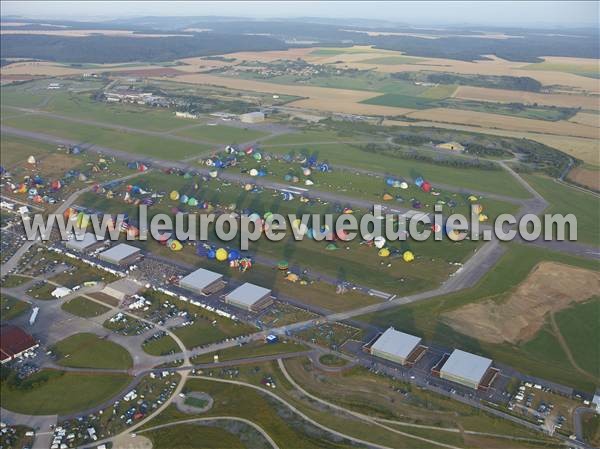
x=392, y=60
x=14, y=280
x=579, y=326
x=496, y=181
x=90, y=351
x=202, y=332
x=221, y=134
x=541, y=356
x=191, y=436
x=566, y=200
x=60, y=392
x=161, y=346
x=589, y=71
x=402, y=101
x=128, y=142
x=11, y=307
x=16, y=150
x=84, y=308
x=254, y=349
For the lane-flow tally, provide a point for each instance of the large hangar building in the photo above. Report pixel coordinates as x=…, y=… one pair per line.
x=121, y=254
x=396, y=346
x=250, y=297
x=202, y=281
x=465, y=368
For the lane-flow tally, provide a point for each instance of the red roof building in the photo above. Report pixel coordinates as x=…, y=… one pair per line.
x=14, y=341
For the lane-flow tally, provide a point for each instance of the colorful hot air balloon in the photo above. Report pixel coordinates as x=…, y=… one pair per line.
x=408, y=256
x=175, y=245
x=221, y=254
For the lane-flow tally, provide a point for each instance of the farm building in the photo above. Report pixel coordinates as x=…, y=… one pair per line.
x=395, y=346
x=89, y=242
x=250, y=297
x=14, y=341
x=202, y=281
x=465, y=368
x=121, y=254
x=452, y=146
x=122, y=288
x=253, y=117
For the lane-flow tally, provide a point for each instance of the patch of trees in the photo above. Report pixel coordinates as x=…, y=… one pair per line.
x=495, y=81
x=485, y=151
x=113, y=49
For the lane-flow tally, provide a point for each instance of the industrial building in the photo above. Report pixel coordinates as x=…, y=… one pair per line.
x=253, y=117
x=121, y=254
x=250, y=297
x=202, y=281
x=122, y=288
x=89, y=242
x=397, y=346
x=466, y=369
x=14, y=341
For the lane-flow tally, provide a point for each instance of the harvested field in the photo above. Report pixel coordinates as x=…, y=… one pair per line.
x=158, y=71
x=579, y=147
x=318, y=98
x=267, y=56
x=44, y=68
x=586, y=177
x=586, y=118
x=486, y=120
x=516, y=96
x=550, y=287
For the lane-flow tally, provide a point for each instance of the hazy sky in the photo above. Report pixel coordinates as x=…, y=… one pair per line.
x=561, y=13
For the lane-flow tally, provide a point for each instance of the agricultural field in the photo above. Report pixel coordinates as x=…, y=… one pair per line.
x=60, y=392
x=90, y=351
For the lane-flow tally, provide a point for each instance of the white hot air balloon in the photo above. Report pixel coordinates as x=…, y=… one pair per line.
x=379, y=242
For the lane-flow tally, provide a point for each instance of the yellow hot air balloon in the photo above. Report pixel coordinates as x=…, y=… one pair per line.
x=387, y=197
x=174, y=195
x=82, y=220
x=292, y=277
x=472, y=198
x=221, y=255
x=384, y=252
x=477, y=208
x=483, y=217
x=408, y=256
x=175, y=245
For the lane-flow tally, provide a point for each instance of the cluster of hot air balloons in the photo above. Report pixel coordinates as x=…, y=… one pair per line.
x=232, y=256
x=380, y=243
x=36, y=188
x=138, y=166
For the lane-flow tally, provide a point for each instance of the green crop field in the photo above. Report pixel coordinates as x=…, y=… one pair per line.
x=84, y=308
x=49, y=392
x=541, y=356
x=90, y=351
x=566, y=200
x=221, y=134
x=142, y=145
x=11, y=307
x=579, y=326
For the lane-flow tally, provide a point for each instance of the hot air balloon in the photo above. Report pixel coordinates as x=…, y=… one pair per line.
x=253, y=172
x=183, y=199
x=384, y=252
x=175, y=245
x=404, y=185
x=379, y=242
x=306, y=171
x=426, y=187
x=213, y=173
x=309, y=182
x=174, y=195
x=419, y=181
x=192, y=202
x=221, y=254
x=211, y=254
x=387, y=197
x=292, y=277
x=31, y=160
x=132, y=231
x=483, y=217
x=408, y=256
x=477, y=208
x=283, y=265
x=472, y=198
x=233, y=255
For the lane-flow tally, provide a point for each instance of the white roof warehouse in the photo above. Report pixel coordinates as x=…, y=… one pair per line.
x=250, y=297
x=395, y=346
x=465, y=368
x=202, y=281
x=122, y=254
x=88, y=242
